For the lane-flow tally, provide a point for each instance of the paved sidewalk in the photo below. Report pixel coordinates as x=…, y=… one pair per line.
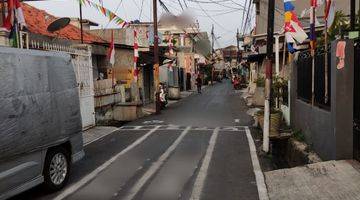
x=323, y=180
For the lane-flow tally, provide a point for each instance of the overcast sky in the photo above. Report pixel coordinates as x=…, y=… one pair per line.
x=226, y=15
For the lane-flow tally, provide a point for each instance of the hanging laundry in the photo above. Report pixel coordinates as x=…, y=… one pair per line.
x=340, y=54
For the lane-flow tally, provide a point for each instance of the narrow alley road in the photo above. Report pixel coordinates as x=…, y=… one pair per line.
x=196, y=149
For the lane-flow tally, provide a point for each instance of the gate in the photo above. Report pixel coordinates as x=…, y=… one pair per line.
x=357, y=102
x=82, y=62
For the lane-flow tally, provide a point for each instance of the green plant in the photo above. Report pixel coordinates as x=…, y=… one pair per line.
x=260, y=82
x=277, y=86
x=340, y=25
x=298, y=135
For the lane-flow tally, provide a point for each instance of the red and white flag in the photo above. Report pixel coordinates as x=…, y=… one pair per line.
x=330, y=12
x=14, y=14
x=136, y=55
x=111, y=52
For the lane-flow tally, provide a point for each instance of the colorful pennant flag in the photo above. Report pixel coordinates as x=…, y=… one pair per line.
x=294, y=32
x=106, y=12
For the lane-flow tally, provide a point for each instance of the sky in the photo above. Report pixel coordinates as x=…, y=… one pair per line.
x=225, y=15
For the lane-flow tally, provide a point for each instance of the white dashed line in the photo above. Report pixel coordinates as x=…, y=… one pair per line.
x=155, y=167
x=200, y=179
x=259, y=176
x=76, y=186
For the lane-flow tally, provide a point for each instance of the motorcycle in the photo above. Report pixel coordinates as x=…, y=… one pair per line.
x=163, y=96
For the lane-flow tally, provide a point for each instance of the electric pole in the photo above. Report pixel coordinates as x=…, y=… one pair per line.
x=352, y=15
x=156, y=59
x=238, y=46
x=212, y=53
x=268, y=83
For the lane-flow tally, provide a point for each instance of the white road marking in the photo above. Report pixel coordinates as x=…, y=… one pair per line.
x=200, y=179
x=138, y=127
x=98, y=138
x=76, y=186
x=259, y=176
x=155, y=167
x=237, y=120
x=153, y=122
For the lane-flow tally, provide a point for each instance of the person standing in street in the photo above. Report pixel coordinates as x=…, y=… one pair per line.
x=199, y=83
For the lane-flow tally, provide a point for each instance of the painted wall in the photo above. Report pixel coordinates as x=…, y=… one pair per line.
x=330, y=133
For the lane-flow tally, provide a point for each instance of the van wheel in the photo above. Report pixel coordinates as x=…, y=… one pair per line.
x=56, y=169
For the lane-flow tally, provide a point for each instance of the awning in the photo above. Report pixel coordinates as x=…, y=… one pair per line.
x=255, y=57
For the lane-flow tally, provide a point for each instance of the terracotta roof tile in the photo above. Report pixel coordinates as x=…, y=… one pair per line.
x=38, y=20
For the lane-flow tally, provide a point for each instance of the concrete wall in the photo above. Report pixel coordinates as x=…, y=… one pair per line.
x=330, y=133
x=342, y=97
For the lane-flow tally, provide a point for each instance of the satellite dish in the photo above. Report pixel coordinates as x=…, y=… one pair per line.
x=58, y=24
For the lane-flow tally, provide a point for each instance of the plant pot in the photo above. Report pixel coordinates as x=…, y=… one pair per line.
x=275, y=123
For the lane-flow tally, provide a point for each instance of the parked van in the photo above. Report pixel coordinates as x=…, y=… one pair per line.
x=40, y=121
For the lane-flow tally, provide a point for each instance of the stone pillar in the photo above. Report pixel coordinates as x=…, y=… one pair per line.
x=342, y=86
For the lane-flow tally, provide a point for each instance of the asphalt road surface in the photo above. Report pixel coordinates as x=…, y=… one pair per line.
x=196, y=149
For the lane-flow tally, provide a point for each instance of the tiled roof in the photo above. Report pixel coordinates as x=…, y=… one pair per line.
x=38, y=20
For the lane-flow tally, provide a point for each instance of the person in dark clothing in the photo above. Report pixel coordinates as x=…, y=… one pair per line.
x=199, y=83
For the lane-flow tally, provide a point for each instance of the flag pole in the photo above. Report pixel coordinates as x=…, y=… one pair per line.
x=326, y=52
x=313, y=43
x=81, y=23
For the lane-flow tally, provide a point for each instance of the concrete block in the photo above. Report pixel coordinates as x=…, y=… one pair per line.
x=127, y=112
x=174, y=93
x=259, y=97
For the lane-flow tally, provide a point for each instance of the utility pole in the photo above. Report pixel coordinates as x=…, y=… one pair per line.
x=268, y=82
x=212, y=53
x=81, y=24
x=238, y=46
x=352, y=15
x=156, y=59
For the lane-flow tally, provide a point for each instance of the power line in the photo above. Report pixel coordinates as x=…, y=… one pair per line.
x=137, y=5
x=103, y=31
x=185, y=4
x=247, y=16
x=142, y=6
x=182, y=8
x=212, y=19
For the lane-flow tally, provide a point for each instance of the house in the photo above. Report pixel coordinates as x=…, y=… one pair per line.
x=326, y=124
x=98, y=90
x=190, y=43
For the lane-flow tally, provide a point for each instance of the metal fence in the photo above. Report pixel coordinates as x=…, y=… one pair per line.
x=304, y=78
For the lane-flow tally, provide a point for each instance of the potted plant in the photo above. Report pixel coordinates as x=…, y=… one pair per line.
x=275, y=121
x=275, y=114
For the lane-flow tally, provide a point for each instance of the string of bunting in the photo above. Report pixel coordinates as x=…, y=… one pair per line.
x=106, y=12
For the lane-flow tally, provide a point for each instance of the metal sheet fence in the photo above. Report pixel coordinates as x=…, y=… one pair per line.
x=304, y=78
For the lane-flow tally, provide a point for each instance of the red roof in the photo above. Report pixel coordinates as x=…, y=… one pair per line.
x=38, y=20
